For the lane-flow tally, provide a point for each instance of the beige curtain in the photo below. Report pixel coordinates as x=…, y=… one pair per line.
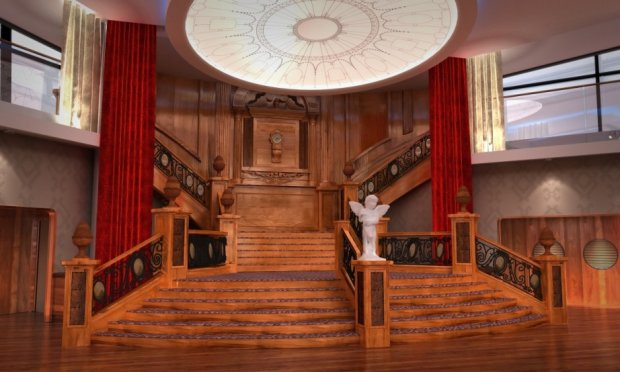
x=81, y=67
x=486, y=102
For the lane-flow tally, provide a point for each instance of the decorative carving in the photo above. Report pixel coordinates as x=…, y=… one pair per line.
x=178, y=239
x=276, y=138
x=77, y=312
x=348, y=170
x=277, y=178
x=244, y=99
x=556, y=275
x=172, y=190
x=546, y=239
x=227, y=199
x=463, y=198
x=463, y=248
x=219, y=165
x=359, y=284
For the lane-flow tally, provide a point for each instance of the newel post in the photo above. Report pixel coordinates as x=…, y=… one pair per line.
x=218, y=186
x=372, y=302
x=349, y=190
x=553, y=279
x=229, y=223
x=77, y=312
x=172, y=222
x=464, y=227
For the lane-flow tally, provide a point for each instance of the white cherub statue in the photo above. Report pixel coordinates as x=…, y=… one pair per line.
x=369, y=215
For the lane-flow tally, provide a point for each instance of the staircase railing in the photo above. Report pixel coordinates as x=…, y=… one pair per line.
x=411, y=248
x=93, y=295
x=347, y=250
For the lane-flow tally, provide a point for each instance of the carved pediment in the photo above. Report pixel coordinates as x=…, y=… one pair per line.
x=260, y=103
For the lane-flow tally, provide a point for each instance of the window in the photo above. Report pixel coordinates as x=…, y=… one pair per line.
x=563, y=102
x=29, y=69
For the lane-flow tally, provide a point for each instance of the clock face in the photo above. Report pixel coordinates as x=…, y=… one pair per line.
x=276, y=137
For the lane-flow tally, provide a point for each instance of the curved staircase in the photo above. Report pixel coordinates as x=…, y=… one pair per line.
x=427, y=305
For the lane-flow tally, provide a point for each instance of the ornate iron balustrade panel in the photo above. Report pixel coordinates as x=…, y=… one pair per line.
x=418, y=152
x=190, y=181
x=206, y=251
x=416, y=250
x=348, y=255
x=356, y=225
x=125, y=275
x=509, y=268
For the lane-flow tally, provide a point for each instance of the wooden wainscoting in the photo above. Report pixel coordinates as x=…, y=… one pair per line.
x=586, y=286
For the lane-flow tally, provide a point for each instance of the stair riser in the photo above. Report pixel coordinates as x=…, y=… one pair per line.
x=431, y=290
x=253, y=343
x=285, y=235
x=247, y=306
x=291, y=267
x=260, y=284
x=451, y=309
x=405, y=338
x=293, y=254
x=441, y=300
x=345, y=314
x=430, y=281
x=286, y=261
x=286, y=241
x=247, y=295
x=189, y=330
x=455, y=321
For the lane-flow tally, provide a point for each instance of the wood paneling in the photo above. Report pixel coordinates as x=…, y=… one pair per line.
x=262, y=146
x=20, y=239
x=264, y=207
x=586, y=286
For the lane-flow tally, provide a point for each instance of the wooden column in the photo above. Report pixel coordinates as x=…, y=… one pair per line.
x=77, y=312
x=372, y=310
x=229, y=223
x=554, y=286
x=172, y=223
x=464, y=229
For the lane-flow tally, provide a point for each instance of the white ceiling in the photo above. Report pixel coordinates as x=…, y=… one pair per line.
x=529, y=32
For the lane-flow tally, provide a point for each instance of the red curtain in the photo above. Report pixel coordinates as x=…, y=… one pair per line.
x=127, y=134
x=450, y=148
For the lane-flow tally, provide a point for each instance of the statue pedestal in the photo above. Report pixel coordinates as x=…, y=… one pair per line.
x=372, y=316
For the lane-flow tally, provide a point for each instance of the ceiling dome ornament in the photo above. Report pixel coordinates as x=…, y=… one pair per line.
x=317, y=46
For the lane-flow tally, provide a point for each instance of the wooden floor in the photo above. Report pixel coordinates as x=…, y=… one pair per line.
x=590, y=342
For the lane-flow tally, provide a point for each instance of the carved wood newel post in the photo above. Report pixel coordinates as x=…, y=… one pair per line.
x=553, y=279
x=172, y=222
x=228, y=222
x=372, y=310
x=464, y=227
x=77, y=313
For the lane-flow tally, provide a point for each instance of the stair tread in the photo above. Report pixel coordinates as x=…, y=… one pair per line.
x=444, y=295
x=467, y=326
x=436, y=285
x=469, y=314
x=267, y=276
x=150, y=310
x=252, y=290
x=242, y=300
x=457, y=304
x=216, y=323
x=227, y=336
x=424, y=275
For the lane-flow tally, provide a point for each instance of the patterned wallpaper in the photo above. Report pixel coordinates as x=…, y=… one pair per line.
x=38, y=173
x=578, y=185
x=412, y=211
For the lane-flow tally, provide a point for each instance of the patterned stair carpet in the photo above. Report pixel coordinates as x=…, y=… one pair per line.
x=227, y=336
x=505, y=310
x=267, y=276
x=469, y=326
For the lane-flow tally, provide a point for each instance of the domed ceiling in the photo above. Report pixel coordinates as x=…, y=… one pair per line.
x=317, y=46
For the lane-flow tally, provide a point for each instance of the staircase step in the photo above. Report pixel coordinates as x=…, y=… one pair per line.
x=229, y=339
x=454, y=318
x=212, y=326
x=408, y=278
x=284, y=267
x=287, y=260
x=286, y=234
x=436, y=288
x=266, y=279
x=264, y=293
x=426, y=309
x=466, y=329
x=291, y=254
x=443, y=298
x=249, y=303
x=292, y=241
x=266, y=315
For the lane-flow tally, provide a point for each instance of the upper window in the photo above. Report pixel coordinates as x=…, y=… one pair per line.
x=563, y=102
x=29, y=69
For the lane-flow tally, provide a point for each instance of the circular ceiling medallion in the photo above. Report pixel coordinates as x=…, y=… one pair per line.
x=317, y=45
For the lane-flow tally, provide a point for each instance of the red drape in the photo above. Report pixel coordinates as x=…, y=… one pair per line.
x=450, y=148
x=127, y=134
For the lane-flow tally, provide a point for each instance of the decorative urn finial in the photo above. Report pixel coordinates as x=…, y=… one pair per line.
x=348, y=170
x=219, y=165
x=82, y=237
x=546, y=239
x=172, y=189
x=227, y=199
x=463, y=197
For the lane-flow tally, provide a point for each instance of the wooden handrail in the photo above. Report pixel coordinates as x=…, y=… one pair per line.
x=505, y=248
x=398, y=234
x=353, y=242
x=129, y=252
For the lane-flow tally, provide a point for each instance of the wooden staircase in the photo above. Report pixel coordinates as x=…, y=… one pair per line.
x=259, y=309
x=440, y=305
x=285, y=251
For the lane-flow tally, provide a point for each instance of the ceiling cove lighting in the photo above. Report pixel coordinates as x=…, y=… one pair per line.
x=317, y=46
